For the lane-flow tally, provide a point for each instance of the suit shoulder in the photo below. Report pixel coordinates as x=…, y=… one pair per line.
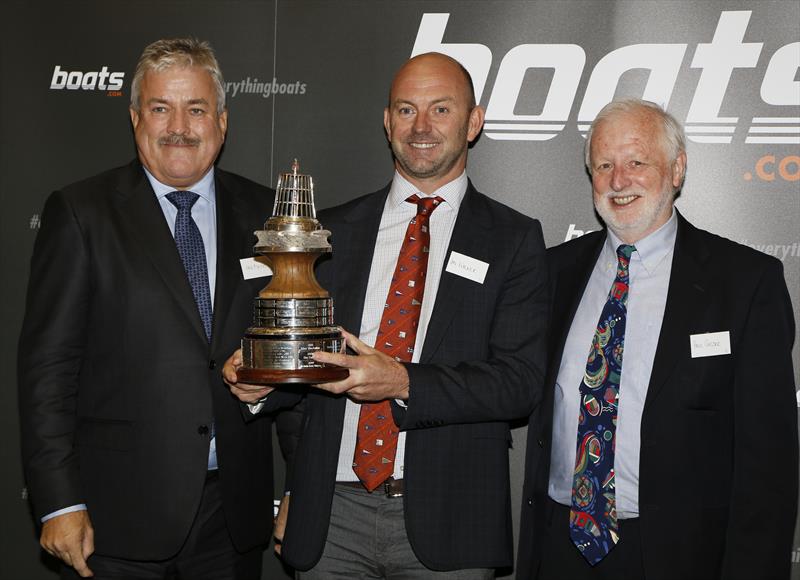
x=98, y=184
x=338, y=212
x=576, y=246
x=504, y=215
x=234, y=180
x=726, y=252
x=240, y=185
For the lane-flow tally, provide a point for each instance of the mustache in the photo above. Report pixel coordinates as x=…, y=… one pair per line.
x=179, y=140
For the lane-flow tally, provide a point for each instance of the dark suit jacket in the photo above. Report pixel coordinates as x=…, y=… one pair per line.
x=718, y=466
x=482, y=364
x=117, y=382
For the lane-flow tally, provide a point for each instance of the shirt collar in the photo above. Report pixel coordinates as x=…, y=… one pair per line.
x=652, y=249
x=452, y=192
x=204, y=188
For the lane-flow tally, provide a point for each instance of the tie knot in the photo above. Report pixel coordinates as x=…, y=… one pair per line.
x=624, y=253
x=425, y=205
x=183, y=200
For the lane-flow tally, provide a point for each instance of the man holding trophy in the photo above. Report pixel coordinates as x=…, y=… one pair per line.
x=138, y=461
x=402, y=466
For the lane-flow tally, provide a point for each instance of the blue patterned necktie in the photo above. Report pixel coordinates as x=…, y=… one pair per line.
x=193, y=254
x=593, y=515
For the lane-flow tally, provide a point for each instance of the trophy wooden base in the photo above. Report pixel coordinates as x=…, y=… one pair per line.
x=307, y=376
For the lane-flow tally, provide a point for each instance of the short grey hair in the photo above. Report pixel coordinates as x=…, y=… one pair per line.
x=673, y=140
x=181, y=52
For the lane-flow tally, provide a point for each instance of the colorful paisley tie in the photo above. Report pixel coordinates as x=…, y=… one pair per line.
x=593, y=514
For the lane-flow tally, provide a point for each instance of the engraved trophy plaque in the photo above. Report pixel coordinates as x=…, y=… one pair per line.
x=293, y=314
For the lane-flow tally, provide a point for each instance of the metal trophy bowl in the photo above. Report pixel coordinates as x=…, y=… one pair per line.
x=293, y=314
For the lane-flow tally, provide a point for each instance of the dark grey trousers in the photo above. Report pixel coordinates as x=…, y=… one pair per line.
x=367, y=539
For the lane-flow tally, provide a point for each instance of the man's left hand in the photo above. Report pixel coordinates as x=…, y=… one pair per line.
x=374, y=376
x=246, y=393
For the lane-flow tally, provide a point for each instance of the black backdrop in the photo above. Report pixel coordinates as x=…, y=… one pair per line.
x=328, y=65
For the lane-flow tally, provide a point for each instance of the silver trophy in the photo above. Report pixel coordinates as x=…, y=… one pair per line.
x=293, y=314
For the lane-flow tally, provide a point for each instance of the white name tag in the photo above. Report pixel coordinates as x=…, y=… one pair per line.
x=252, y=268
x=467, y=267
x=710, y=344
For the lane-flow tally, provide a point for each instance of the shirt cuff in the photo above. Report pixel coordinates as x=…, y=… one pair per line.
x=66, y=510
x=255, y=408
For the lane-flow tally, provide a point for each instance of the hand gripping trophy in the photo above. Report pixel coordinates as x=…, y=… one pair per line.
x=293, y=314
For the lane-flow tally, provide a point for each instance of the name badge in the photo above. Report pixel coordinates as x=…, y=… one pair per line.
x=252, y=268
x=466, y=267
x=710, y=344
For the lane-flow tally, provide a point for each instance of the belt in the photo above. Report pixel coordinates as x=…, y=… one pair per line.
x=391, y=487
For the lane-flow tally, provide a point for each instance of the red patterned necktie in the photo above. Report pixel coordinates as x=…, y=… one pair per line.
x=376, y=441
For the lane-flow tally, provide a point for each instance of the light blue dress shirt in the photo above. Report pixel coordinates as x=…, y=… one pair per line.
x=204, y=213
x=650, y=268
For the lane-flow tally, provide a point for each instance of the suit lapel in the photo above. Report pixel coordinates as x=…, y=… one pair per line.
x=471, y=236
x=353, y=267
x=687, y=298
x=350, y=276
x=229, y=243
x=141, y=211
x=570, y=284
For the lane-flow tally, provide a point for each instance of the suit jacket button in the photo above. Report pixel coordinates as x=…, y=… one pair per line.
x=202, y=430
x=540, y=442
x=530, y=501
x=212, y=364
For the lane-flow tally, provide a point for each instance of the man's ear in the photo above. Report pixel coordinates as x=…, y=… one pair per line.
x=386, y=123
x=475, y=122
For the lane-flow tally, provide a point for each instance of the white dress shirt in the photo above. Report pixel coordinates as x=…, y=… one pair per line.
x=397, y=213
x=649, y=273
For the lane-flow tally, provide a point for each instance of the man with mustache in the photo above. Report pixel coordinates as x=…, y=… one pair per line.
x=670, y=451
x=401, y=470
x=138, y=461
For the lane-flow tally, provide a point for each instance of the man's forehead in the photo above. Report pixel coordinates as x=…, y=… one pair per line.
x=429, y=73
x=629, y=127
x=197, y=74
x=635, y=118
x=425, y=92
x=187, y=83
x=415, y=98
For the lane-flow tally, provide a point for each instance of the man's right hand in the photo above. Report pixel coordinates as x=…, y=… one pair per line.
x=280, y=523
x=244, y=392
x=70, y=537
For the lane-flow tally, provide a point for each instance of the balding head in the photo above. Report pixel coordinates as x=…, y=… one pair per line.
x=444, y=62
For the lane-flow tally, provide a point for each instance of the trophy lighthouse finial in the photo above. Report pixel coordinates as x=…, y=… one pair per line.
x=294, y=196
